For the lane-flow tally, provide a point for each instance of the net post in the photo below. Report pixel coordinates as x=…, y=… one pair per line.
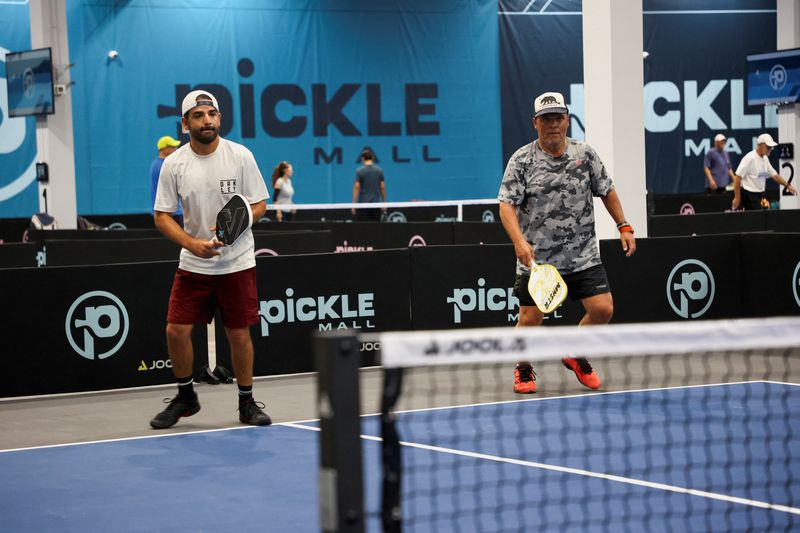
x=341, y=482
x=391, y=458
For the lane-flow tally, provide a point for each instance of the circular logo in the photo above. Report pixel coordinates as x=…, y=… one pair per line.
x=266, y=251
x=686, y=209
x=690, y=288
x=796, y=284
x=117, y=226
x=17, y=146
x=97, y=325
x=396, y=216
x=487, y=216
x=417, y=240
x=777, y=77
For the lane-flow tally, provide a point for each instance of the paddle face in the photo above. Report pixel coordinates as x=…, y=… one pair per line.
x=233, y=219
x=546, y=287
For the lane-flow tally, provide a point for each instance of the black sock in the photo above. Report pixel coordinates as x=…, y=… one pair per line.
x=245, y=393
x=185, y=387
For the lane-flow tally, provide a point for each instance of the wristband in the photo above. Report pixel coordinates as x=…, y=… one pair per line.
x=626, y=227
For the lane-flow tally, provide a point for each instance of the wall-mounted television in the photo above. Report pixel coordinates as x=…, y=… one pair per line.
x=773, y=77
x=29, y=76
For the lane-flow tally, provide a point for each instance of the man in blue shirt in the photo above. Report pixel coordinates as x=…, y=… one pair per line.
x=717, y=166
x=166, y=145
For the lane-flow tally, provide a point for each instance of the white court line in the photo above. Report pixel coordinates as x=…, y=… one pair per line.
x=581, y=472
x=587, y=473
x=607, y=477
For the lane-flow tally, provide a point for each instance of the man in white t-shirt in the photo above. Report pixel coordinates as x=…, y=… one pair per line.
x=203, y=175
x=750, y=180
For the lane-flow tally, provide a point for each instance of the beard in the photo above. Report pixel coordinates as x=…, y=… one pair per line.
x=204, y=135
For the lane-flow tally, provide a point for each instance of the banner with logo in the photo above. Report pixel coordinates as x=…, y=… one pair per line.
x=694, y=78
x=312, y=83
x=361, y=292
x=18, y=185
x=87, y=328
x=675, y=278
x=470, y=286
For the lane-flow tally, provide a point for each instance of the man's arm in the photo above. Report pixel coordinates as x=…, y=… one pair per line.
x=356, y=187
x=737, y=192
x=172, y=230
x=258, y=208
x=712, y=184
x=383, y=190
x=779, y=179
x=522, y=248
x=614, y=208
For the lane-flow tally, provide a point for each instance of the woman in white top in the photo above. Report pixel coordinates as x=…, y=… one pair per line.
x=284, y=190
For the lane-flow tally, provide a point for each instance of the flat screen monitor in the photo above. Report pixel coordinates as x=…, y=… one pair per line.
x=773, y=77
x=29, y=76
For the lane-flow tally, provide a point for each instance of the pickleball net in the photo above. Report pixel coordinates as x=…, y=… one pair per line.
x=696, y=427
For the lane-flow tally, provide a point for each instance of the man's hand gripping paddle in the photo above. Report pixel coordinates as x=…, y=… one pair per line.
x=233, y=219
x=546, y=287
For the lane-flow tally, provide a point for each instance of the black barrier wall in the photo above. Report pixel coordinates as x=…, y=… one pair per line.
x=675, y=279
x=467, y=287
x=66, y=330
x=787, y=220
x=87, y=328
x=301, y=295
x=18, y=255
x=770, y=277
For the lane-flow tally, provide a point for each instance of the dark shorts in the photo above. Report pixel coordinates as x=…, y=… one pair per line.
x=373, y=213
x=752, y=201
x=195, y=297
x=580, y=285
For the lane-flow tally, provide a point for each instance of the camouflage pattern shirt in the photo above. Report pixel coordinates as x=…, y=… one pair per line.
x=553, y=197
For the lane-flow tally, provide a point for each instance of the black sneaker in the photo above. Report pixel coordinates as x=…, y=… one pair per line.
x=177, y=408
x=250, y=413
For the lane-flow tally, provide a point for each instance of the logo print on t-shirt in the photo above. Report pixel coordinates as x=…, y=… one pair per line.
x=227, y=186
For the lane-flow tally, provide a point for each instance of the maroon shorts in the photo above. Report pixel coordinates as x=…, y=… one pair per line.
x=195, y=298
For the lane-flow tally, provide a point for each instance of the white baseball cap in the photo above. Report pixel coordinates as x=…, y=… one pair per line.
x=766, y=138
x=190, y=101
x=719, y=137
x=549, y=103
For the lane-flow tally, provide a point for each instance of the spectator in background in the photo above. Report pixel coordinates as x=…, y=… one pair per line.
x=717, y=166
x=369, y=187
x=750, y=180
x=283, y=190
x=166, y=145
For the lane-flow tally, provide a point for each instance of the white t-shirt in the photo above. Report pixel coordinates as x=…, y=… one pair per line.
x=204, y=184
x=287, y=191
x=755, y=171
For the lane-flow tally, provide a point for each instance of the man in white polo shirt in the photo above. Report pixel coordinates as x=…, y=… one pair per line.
x=204, y=174
x=750, y=180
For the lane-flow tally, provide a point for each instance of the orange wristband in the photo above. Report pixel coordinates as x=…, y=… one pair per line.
x=627, y=227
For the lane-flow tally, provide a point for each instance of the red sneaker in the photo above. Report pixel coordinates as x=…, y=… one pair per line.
x=524, y=380
x=583, y=370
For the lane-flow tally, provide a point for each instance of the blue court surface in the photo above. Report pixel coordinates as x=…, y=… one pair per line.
x=265, y=479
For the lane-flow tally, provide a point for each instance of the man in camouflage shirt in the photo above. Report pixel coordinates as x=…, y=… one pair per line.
x=547, y=210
